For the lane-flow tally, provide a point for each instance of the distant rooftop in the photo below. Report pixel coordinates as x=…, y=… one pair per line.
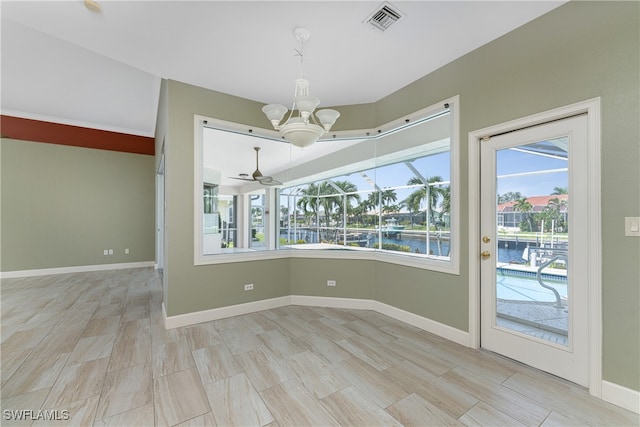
x=538, y=203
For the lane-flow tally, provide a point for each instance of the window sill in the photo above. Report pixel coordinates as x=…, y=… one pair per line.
x=414, y=261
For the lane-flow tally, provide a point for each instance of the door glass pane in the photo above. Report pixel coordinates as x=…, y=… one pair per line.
x=532, y=201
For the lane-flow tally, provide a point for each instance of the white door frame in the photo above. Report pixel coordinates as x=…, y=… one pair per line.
x=160, y=214
x=592, y=108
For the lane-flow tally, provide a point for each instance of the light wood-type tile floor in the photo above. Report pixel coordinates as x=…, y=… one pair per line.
x=91, y=349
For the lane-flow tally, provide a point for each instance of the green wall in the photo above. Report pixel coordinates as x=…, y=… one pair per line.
x=354, y=278
x=578, y=51
x=62, y=206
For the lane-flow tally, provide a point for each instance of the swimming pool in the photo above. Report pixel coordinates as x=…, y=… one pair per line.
x=519, y=288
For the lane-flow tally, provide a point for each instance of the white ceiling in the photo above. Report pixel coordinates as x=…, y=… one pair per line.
x=63, y=63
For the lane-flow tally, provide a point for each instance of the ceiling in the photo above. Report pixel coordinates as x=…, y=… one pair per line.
x=66, y=64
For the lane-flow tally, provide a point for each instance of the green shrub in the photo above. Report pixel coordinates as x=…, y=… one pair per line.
x=395, y=247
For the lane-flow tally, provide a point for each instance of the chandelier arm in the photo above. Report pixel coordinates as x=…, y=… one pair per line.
x=293, y=107
x=315, y=121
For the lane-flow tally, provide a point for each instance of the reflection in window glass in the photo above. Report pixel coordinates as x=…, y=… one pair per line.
x=218, y=220
x=228, y=227
x=388, y=193
x=257, y=221
x=402, y=207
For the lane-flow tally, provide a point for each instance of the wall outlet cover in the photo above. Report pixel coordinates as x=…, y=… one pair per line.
x=632, y=226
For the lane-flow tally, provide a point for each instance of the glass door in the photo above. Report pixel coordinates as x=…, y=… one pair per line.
x=533, y=247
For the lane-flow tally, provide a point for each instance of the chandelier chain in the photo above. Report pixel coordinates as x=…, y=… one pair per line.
x=300, y=53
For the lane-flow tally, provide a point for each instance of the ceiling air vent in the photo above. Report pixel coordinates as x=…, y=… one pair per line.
x=384, y=16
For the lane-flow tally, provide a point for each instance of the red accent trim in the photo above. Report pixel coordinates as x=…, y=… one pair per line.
x=56, y=133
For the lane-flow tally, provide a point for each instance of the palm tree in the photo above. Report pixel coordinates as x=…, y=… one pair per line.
x=388, y=195
x=329, y=201
x=560, y=190
x=326, y=199
x=421, y=194
x=378, y=200
x=367, y=205
x=523, y=205
x=509, y=197
x=208, y=199
x=445, y=205
x=284, y=214
x=412, y=202
x=358, y=212
x=349, y=188
x=391, y=209
x=308, y=203
x=552, y=213
x=382, y=197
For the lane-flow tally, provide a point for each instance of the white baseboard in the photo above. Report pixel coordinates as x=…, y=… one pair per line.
x=188, y=319
x=437, y=328
x=332, y=302
x=75, y=269
x=428, y=325
x=445, y=331
x=621, y=396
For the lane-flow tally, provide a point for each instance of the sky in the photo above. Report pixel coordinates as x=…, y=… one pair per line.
x=537, y=174
x=512, y=162
x=399, y=174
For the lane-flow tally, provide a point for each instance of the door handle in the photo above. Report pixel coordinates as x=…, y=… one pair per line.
x=485, y=254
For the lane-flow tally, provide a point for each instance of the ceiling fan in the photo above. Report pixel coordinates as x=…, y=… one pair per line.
x=257, y=176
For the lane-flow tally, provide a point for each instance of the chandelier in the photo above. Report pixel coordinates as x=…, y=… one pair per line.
x=302, y=128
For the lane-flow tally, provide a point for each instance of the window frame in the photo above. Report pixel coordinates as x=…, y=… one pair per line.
x=450, y=266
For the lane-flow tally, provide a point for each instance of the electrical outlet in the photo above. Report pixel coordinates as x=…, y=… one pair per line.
x=106, y=252
x=248, y=287
x=126, y=251
x=331, y=282
x=110, y=251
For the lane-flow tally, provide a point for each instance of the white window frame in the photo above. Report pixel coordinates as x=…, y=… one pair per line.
x=450, y=266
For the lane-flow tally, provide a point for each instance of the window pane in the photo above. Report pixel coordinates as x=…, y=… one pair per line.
x=388, y=191
x=401, y=207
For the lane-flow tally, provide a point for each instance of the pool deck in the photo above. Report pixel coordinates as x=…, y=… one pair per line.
x=543, y=315
x=530, y=309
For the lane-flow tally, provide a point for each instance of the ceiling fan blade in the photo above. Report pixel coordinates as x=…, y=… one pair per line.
x=242, y=179
x=257, y=176
x=268, y=180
